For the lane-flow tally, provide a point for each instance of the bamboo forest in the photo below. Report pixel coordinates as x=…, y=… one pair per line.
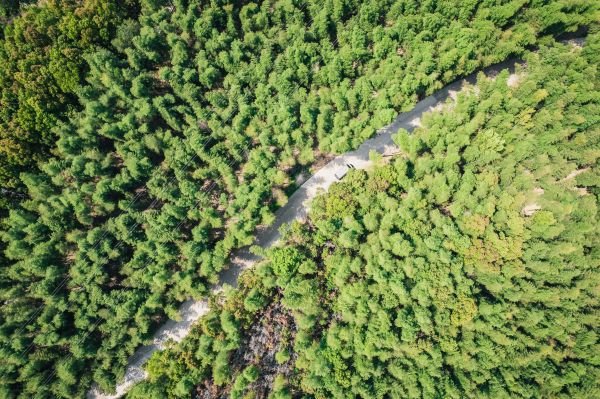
x=146, y=146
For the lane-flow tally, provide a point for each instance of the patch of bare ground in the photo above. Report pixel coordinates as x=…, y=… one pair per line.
x=575, y=173
x=272, y=331
x=513, y=80
x=531, y=208
x=321, y=159
x=580, y=190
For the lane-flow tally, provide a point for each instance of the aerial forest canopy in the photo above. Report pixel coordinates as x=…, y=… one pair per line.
x=192, y=124
x=42, y=65
x=467, y=267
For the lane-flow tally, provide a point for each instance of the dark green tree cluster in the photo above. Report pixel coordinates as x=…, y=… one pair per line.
x=467, y=267
x=42, y=50
x=10, y=8
x=188, y=131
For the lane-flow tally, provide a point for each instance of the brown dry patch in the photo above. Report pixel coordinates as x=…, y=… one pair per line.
x=272, y=330
x=321, y=159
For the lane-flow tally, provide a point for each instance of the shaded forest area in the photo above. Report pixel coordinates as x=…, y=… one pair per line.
x=141, y=143
x=467, y=267
x=42, y=53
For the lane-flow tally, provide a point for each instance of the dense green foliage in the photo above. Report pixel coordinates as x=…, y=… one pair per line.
x=42, y=52
x=188, y=138
x=467, y=267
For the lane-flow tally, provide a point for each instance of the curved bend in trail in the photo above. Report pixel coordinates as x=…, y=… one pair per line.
x=296, y=208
